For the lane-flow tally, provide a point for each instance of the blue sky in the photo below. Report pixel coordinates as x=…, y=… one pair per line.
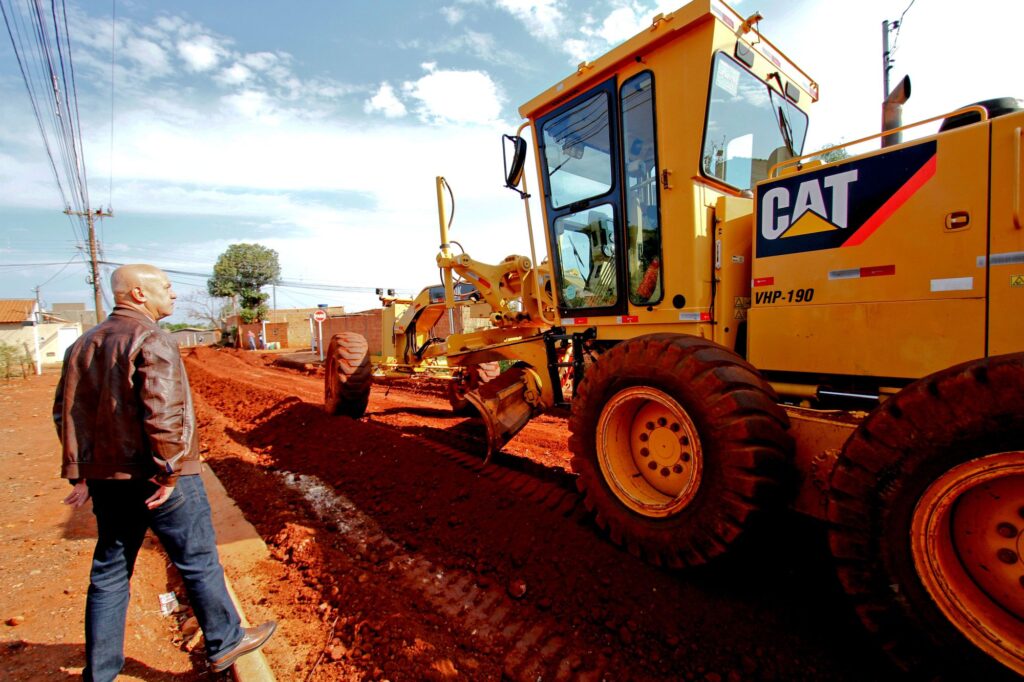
x=316, y=128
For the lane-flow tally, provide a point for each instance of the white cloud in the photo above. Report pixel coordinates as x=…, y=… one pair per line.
x=260, y=61
x=452, y=14
x=147, y=54
x=386, y=102
x=623, y=23
x=455, y=96
x=201, y=53
x=253, y=104
x=542, y=18
x=236, y=74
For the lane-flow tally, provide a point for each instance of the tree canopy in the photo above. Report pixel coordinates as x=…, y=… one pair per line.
x=834, y=155
x=240, y=273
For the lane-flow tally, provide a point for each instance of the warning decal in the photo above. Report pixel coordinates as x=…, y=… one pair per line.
x=1017, y=281
x=839, y=205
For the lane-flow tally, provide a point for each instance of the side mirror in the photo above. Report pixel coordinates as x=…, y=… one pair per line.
x=513, y=169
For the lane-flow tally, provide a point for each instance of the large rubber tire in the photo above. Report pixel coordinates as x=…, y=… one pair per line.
x=469, y=380
x=677, y=442
x=927, y=512
x=347, y=375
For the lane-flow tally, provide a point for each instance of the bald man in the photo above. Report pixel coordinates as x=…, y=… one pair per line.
x=124, y=417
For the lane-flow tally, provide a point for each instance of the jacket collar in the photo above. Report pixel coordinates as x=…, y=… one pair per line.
x=121, y=311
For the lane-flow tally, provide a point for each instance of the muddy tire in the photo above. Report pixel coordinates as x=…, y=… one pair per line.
x=347, y=375
x=469, y=380
x=677, y=442
x=927, y=516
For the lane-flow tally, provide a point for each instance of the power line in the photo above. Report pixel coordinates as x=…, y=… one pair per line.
x=291, y=284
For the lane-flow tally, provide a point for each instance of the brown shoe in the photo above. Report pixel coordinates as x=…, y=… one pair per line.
x=252, y=639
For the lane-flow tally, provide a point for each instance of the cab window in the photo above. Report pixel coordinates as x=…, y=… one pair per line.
x=643, y=223
x=577, y=152
x=750, y=126
x=586, y=258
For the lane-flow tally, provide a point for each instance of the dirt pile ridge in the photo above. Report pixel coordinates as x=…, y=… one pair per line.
x=403, y=557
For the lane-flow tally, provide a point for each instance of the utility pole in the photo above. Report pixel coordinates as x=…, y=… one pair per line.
x=892, y=102
x=35, y=334
x=886, y=57
x=90, y=217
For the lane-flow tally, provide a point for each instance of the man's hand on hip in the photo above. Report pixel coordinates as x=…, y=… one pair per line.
x=160, y=496
x=79, y=495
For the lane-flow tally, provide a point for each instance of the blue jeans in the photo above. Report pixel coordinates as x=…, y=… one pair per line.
x=185, y=530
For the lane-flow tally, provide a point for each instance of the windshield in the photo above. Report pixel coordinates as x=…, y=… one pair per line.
x=750, y=127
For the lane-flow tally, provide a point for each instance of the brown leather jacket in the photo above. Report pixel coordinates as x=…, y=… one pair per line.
x=123, y=407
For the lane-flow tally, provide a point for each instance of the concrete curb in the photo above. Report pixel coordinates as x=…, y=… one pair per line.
x=240, y=547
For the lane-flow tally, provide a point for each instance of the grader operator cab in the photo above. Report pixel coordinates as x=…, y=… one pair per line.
x=714, y=296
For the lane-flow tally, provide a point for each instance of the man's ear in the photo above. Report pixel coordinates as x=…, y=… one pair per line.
x=138, y=295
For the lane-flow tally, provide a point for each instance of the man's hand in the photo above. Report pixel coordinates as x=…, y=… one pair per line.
x=160, y=496
x=79, y=495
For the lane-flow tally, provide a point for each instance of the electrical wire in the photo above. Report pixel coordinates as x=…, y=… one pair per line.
x=113, y=48
x=899, y=25
x=54, y=276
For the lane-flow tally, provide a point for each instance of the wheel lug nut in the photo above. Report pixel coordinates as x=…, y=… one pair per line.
x=665, y=471
x=650, y=426
x=1020, y=512
x=652, y=465
x=644, y=452
x=674, y=427
x=685, y=440
x=685, y=457
x=1007, y=530
x=678, y=468
x=644, y=437
x=1007, y=556
x=662, y=421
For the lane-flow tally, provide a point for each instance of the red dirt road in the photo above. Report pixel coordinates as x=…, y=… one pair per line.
x=403, y=557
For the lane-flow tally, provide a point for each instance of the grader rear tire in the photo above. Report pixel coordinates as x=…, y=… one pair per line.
x=469, y=380
x=927, y=514
x=677, y=442
x=347, y=375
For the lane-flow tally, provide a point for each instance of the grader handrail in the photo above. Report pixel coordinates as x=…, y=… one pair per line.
x=885, y=133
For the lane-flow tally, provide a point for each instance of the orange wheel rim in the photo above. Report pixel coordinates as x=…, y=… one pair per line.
x=967, y=539
x=649, y=451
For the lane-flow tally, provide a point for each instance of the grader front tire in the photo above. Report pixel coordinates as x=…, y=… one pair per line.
x=347, y=375
x=677, y=442
x=927, y=514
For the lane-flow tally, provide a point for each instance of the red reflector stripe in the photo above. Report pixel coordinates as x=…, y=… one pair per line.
x=878, y=271
x=705, y=317
x=629, y=319
x=901, y=196
x=764, y=281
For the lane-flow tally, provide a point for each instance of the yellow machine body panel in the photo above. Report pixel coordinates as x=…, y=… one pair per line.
x=868, y=267
x=636, y=250
x=1005, y=265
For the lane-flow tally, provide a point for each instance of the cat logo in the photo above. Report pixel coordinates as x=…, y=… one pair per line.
x=839, y=205
x=808, y=213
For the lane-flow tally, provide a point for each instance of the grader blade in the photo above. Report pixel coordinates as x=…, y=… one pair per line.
x=503, y=407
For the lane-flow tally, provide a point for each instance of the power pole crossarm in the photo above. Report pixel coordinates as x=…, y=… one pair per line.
x=90, y=217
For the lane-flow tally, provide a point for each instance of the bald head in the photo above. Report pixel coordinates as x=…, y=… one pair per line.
x=144, y=288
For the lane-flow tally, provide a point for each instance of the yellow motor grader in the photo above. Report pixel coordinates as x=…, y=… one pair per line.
x=735, y=324
x=400, y=341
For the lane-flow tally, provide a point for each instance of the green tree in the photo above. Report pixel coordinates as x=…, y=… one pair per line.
x=834, y=155
x=240, y=273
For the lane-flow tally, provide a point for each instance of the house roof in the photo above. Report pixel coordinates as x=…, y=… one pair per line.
x=15, y=309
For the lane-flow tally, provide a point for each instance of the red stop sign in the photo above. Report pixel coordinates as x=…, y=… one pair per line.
x=320, y=315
